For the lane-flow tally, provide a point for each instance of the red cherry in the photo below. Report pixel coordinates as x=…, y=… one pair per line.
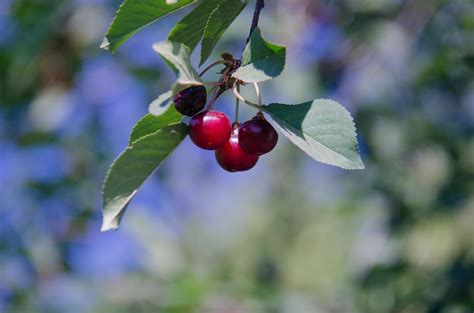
x=257, y=136
x=232, y=158
x=210, y=130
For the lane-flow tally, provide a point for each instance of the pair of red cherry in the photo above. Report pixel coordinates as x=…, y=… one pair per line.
x=237, y=147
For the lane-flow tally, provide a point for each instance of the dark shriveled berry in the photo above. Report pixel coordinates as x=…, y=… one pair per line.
x=232, y=158
x=190, y=100
x=257, y=136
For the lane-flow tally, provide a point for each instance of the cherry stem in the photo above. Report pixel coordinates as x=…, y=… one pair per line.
x=259, y=95
x=237, y=105
x=208, y=91
x=218, y=91
x=215, y=95
x=211, y=66
x=256, y=17
x=239, y=96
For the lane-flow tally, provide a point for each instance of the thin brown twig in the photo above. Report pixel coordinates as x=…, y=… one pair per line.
x=256, y=17
x=260, y=4
x=211, y=66
x=215, y=95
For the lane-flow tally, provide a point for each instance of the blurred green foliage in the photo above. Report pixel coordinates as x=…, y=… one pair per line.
x=294, y=236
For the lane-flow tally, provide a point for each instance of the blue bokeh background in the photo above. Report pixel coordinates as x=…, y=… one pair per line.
x=292, y=235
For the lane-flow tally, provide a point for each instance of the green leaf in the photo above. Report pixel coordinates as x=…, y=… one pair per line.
x=176, y=56
x=133, y=15
x=262, y=60
x=152, y=123
x=133, y=167
x=219, y=21
x=190, y=29
x=323, y=129
x=160, y=104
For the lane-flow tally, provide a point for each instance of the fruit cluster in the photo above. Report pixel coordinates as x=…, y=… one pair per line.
x=237, y=146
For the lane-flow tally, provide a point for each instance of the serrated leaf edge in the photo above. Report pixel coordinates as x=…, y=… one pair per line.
x=360, y=164
x=113, y=223
x=205, y=26
x=197, y=79
x=105, y=41
x=201, y=60
x=272, y=43
x=259, y=81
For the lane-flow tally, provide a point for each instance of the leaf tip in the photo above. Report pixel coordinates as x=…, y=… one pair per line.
x=106, y=226
x=359, y=165
x=113, y=212
x=203, y=60
x=157, y=46
x=105, y=44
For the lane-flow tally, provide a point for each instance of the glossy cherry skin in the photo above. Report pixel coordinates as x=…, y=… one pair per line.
x=257, y=136
x=210, y=130
x=232, y=158
x=190, y=100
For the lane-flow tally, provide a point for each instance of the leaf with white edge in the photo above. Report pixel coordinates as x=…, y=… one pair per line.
x=190, y=29
x=262, y=60
x=130, y=170
x=221, y=18
x=323, y=129
x=160, y=105
x=151, y=123
x=176, y=56
x=133, y=15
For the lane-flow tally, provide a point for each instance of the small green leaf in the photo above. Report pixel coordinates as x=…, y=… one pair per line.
x=151, y=123
x=133, y=167
x=262, y=60
x=190, y=29
x=221, y=18
x=176, y=56
x=160, y=105
x=323, y=129
x=133, y=15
